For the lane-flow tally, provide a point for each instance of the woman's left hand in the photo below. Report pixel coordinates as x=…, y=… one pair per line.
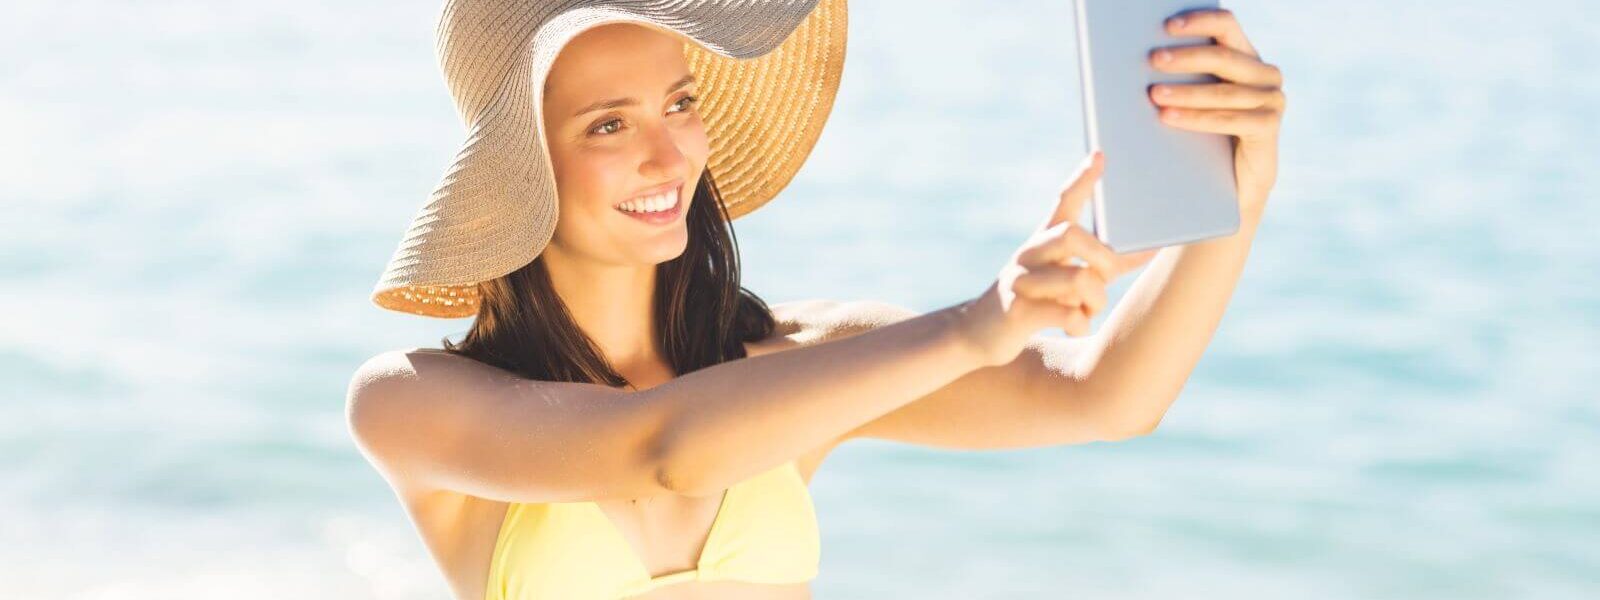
x=1248, y=103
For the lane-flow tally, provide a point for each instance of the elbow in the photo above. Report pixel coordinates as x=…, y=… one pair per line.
x=1114, y=416
x=1125, y=432
x=1117, y=427
x=1141, y=429
x=674, y=472
x=662, y=451
x=667, y=474
x=674, y=476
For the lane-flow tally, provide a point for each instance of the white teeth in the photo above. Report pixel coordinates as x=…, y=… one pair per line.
x=655, y=203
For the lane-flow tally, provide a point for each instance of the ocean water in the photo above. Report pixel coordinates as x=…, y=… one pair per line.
x=1399, y=402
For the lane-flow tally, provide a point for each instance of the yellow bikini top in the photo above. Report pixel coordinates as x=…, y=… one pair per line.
x=765, y=531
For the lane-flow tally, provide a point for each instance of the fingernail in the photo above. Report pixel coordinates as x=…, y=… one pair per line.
x=1163, y=56
x=1163, y=91
x=1178, y=22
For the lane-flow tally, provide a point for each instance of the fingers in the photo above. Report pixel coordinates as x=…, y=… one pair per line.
x=1066, y=242
x=1216, y=95
x=1072, y=295
x=1077, y=190
x=1247, y=124
x=1219, y=23
x=1227, y=63
x=1067, y=285
x=1071, y=319
x=1250, y=101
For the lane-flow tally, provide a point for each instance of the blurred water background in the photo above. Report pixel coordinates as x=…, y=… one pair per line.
x=199, y=195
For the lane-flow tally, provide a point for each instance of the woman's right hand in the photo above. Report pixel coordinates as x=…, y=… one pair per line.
x=1057, y=278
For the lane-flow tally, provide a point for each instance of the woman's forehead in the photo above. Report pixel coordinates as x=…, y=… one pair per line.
x=616, y=59
x=617, y=45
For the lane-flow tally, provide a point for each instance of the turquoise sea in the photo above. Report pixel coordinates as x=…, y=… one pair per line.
x=1399, y=403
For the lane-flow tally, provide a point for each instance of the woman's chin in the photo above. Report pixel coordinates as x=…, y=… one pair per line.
x=664, y=247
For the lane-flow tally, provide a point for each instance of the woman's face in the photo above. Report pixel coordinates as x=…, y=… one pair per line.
x=607, y=155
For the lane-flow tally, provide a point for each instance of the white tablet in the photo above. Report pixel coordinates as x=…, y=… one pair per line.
x=1162, y=185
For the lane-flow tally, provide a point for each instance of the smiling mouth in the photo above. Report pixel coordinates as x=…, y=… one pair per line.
x=664, y=202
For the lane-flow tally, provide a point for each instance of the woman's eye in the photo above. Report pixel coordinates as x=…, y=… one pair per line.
x=691, y=100
x=687, y=102
x=602, y=126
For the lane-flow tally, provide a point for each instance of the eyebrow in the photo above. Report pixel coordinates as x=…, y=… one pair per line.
x=616, y=102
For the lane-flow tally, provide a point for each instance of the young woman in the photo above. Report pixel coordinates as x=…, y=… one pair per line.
x=622, y=419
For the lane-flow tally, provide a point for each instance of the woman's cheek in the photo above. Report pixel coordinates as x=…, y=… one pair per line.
x=592, y=178
x=699, y=141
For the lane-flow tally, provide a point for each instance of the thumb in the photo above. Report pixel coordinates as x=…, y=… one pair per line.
x=1078, y=190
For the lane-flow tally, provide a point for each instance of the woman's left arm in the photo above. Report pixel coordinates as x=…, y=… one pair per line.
x=1156, y=333
x=1118, y=382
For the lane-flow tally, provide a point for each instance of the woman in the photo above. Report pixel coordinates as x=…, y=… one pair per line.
x=622, y=419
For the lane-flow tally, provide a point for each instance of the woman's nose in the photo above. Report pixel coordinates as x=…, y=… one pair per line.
x=663, y=156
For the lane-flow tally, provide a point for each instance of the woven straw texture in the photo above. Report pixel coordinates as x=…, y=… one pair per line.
x=768, y=73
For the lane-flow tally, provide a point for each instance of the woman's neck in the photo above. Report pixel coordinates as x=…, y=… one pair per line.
x=612, y=304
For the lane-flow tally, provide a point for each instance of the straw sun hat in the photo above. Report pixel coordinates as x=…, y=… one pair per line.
x=768, y=71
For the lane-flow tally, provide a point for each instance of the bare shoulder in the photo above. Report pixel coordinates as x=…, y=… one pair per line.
x=382, y=375
x=792, y=316
x=403, y=369
x=403, y=361
x=818, y=320
x=392, y=375
x=393, y=388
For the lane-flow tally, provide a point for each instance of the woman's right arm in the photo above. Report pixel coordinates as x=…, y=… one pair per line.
x=733, y=420
x=430, y=420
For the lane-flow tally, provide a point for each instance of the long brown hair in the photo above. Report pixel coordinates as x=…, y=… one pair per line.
x=703, y=316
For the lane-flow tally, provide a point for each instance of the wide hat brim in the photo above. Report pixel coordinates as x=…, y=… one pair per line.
x=768, y=73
